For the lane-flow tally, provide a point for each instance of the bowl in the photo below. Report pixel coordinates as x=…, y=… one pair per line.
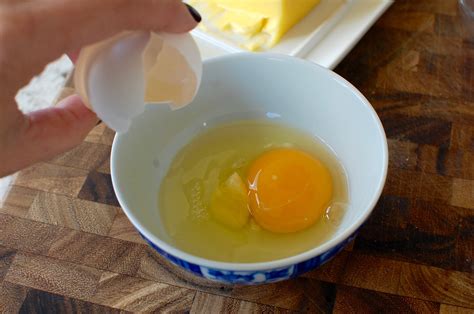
x=297, y=93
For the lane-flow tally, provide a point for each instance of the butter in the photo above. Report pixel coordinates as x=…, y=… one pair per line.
x=252, y=24
x=229, y=203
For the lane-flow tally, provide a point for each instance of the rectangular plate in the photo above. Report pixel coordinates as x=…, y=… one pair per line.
x=326, y=45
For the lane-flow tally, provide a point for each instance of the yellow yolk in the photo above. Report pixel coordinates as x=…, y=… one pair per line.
x=289, y=190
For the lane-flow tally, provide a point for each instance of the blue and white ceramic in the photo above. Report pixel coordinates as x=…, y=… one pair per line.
x=294, y=91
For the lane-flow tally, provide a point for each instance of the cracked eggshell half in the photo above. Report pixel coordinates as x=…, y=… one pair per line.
x=118, y=76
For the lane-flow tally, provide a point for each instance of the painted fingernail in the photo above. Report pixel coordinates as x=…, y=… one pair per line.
x=195, y=14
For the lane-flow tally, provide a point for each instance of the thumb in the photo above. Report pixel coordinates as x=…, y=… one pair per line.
x=49, y=132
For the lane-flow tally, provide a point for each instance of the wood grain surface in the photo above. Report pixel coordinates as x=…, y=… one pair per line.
x=66, y=246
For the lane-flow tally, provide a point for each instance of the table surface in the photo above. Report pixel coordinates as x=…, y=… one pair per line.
x=65, y=244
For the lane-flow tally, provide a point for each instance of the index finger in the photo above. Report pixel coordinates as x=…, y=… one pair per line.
x=50, y=28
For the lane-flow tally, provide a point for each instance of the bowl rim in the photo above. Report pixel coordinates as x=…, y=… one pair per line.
x=287, y=261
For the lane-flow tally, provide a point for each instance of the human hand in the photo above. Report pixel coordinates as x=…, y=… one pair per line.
x=34, y=33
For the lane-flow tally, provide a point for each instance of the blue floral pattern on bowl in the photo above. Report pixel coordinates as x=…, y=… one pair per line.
x=254, y=277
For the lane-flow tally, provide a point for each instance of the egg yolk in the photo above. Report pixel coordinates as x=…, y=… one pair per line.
x=289, y=190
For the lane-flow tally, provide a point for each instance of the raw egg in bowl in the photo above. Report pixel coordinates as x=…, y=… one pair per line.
x=268, y=173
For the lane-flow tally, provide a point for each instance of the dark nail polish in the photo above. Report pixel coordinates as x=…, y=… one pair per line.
x=99, y=122
x=195, y=14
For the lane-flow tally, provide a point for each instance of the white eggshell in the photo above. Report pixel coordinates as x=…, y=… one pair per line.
x=118, y=76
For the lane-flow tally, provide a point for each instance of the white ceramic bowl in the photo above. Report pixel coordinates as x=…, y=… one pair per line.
x=294, y=91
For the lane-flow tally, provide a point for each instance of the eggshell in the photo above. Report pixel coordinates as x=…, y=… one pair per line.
x=118, y=76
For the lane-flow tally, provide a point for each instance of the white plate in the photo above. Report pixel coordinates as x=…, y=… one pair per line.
x=327, y=45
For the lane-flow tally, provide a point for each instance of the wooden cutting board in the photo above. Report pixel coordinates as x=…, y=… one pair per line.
x=66, y=246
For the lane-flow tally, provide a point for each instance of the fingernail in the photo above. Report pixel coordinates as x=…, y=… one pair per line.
x=195, y=14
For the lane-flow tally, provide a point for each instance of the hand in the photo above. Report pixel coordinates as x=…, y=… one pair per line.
x=34, y=33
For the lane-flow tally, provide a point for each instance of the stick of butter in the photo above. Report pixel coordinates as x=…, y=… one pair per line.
x=253, y=24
